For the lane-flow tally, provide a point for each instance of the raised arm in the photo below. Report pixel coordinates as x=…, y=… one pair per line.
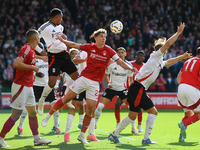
x=173, y=38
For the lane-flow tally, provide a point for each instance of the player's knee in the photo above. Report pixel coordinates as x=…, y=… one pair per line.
x=155, y=112
x=33, y=114
x=100, y=106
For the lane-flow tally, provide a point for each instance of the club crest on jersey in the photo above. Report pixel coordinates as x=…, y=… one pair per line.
x=53, y=70
x=92, y=55
x=104, y=53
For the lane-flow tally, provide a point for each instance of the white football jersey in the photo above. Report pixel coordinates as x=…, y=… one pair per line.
x=151, y=69
x=43, y=67
x=48, y=32
x=118, y=76
x=82, y=66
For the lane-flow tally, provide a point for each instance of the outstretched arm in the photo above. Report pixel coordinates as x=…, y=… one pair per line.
x=68, y=43
x=172, y=61
x=173, y=38
x=125, y=66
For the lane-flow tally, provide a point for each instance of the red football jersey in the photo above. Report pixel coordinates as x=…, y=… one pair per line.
x=25, y=77
x=136, y=66
x=97, y=61
x=190, y=72
x=133, y=63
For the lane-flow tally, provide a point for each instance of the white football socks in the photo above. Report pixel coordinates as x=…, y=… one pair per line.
x=98, y=112
x=70, y=119
x=149, y=125
x=122, y=125
x=81, y=119
x=133, y=124
x=23, y=116
x=91, y=127
x=45, y=92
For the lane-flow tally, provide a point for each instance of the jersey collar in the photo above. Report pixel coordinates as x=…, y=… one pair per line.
x=52, y=23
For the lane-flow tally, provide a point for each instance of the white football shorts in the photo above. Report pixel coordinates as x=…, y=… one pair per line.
x=84, y=84
x=189, y=96
x=22, y=96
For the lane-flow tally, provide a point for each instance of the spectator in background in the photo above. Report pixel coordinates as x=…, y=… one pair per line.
x=161, y=82
x=81, y=40
x=170, y=86
x=153, y=87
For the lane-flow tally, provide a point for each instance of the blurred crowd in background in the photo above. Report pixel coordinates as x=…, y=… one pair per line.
x=144, y=21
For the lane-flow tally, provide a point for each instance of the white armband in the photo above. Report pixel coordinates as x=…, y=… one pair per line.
x=38, y=49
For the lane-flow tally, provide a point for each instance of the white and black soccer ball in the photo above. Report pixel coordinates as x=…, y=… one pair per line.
x=116, y=26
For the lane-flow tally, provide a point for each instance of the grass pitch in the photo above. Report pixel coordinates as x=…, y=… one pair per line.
x=165, y=132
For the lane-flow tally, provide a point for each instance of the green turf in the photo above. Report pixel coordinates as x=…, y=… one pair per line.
x=165, y=132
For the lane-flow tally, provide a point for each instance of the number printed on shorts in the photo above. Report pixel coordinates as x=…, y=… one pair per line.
x=96, y=93
x=192, y=66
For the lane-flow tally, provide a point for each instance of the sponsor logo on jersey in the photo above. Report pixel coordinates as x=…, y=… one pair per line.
x=53, y=31
x=98, y=57
x=119, y=74
x=115, y=68
x=93, y=51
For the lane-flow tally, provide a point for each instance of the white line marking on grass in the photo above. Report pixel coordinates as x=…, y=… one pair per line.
x=104, y=132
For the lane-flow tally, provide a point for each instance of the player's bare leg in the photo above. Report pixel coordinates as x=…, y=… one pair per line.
x=68, y=97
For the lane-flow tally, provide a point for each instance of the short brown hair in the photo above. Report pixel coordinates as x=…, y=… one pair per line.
x=30, y=34
x=97, y=32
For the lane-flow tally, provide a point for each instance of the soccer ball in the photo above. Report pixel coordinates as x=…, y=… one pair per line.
x=116, y=26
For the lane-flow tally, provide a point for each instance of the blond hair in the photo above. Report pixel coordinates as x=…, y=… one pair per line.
x=159, y=43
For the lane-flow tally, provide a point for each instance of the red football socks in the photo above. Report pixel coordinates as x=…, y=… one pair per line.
x=117, y=115
x=86, y=123
x=191, y=119
x=184, y=118
x=7, y=127
x=140, y=118
x=33, y=123
x=56, y=106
